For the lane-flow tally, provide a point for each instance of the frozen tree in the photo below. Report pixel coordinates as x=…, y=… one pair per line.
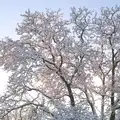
x=54, y=62
x=107, y=32
x=47, y=64
x=103, y=33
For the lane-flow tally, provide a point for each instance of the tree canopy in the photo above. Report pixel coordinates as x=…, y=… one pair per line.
x=54, y=64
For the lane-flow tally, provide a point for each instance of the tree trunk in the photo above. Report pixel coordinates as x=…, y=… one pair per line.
x=102, y=108
x=112, y=117
x=90, y=102
x=72, y=101
x=70, y=95
x=103, y=98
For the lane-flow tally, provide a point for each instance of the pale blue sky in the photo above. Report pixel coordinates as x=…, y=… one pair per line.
x=10, y=10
